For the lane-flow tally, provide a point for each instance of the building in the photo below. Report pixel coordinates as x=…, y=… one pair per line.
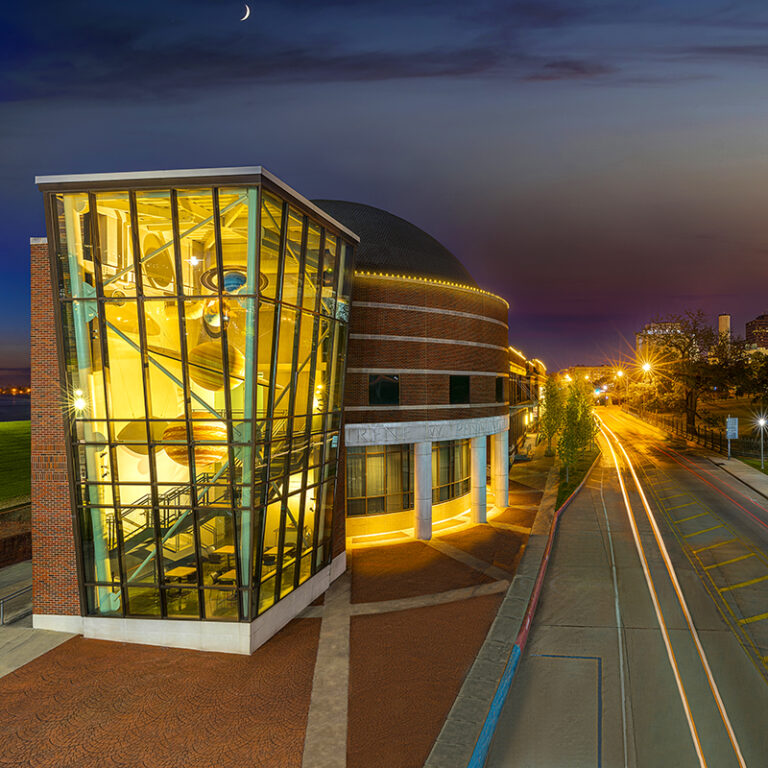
x=194, y=484
x=526, y=382
x=757, y=332
x=426, y=382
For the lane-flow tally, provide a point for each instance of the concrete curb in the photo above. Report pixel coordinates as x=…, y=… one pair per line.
x=467, y=732
x=736, y=477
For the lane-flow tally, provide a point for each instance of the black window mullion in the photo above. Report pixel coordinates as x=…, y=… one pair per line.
x=224, y=340
x=184, y=358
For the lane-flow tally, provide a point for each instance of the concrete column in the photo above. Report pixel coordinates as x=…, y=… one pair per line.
x=500, y=468
x=479, y=507
x=422, y=508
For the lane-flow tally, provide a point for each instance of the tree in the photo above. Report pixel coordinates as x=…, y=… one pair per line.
x=569, y=444
x=693, y=362
x=551, y=419
x=586, y=428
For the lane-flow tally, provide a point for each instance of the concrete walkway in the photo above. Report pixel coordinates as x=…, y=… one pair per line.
x=19, y=643
x=751, y=477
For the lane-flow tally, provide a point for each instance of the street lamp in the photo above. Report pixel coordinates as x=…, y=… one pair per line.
x=646, y=367
x=761, y=422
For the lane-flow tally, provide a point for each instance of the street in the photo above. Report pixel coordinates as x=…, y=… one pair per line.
x=649, y=646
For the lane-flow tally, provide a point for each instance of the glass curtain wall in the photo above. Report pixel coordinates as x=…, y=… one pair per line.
x=379, y=479
x=451, y=470
x=204, y=332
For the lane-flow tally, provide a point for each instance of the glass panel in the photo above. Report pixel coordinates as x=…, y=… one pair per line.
x=197, y=244
x=234, y=206
x=126, y=388
x=75, y=247
x=220, y=604
x=139, y=560
x=270, y=552
x=156, y=243
x=292, y=266
x=311, y=262
x=99, y=538
x=328, y=301
x=177, y=531
x=143, y=601
x=182, y=602
x=264, y=376
x=115, y=244
x=271, y=230
x=104, y=601
x=217, y=548
x=306, y=352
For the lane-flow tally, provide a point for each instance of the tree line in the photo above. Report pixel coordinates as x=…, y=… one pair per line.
x=567, y=415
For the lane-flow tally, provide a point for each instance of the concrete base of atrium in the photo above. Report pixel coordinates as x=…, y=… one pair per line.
x=220, y=636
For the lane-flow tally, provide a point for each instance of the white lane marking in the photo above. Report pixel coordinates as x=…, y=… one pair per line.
x=657, y=608
x=619, y=624
x=684, y=605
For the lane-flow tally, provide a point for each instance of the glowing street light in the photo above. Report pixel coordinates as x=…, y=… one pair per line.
x=761, y=422
x=619, y=373
x=646, y=367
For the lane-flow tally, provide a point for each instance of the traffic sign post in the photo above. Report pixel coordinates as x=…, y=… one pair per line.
x=731, y=431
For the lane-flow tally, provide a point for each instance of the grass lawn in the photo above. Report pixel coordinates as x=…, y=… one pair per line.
x=576, y=475
x=14, y=460
x=755, y=463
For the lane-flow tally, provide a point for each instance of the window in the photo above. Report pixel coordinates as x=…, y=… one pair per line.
x=379, y=479
x=451, y=473
x=500, y=389
x=459, y=390
x=384, y=389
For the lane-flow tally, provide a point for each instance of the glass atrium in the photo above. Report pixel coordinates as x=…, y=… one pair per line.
x=205, y=333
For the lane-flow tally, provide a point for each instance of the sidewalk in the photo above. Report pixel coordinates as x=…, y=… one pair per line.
x=375, y=665
x=751, y=477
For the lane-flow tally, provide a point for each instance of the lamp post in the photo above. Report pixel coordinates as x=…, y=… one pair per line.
x=761, y=422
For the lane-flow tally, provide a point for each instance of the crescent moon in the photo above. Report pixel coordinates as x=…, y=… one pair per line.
x=247, y=12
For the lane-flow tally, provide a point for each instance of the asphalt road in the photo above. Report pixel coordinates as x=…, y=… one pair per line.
x=649, y=647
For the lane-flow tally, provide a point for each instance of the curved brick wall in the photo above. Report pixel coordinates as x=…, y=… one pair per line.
x=390, y=332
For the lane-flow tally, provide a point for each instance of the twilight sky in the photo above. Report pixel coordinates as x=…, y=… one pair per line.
x=595, y=163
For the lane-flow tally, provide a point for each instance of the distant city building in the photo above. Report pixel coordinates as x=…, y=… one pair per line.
x=649, y=339
x=724, y=326
x=757, y=332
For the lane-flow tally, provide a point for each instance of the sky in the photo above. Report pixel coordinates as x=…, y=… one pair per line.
x=597, y=164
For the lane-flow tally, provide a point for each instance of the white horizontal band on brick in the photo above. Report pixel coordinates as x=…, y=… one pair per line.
x=398, y=433
x=434, y=310
x=427, y=371
x=423, y=340
x=38, y=240
x=442, y=406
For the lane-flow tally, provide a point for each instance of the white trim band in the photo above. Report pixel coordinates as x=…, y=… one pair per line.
x=394, y=433
x=425, y=371
x=422, y=340
x=434, y=310
x=442, y=406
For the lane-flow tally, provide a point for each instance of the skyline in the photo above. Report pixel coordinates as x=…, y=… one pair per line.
x=596, y=166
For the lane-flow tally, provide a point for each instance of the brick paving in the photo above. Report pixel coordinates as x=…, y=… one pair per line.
x=406, y=668
x=406, y=570
x=94, y=703
x=498, y=547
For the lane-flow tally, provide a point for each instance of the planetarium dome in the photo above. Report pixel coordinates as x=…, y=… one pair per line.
x=391, y=244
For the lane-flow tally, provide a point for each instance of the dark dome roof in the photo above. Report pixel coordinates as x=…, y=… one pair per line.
x=391, y=244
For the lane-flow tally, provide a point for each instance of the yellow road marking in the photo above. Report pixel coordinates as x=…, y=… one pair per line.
x=692, y=517
x=698, y=533
x=673, y=496
x=753, y=619
x=744, y=584
x=728, y=562
x=680, y=506
x=712, y=546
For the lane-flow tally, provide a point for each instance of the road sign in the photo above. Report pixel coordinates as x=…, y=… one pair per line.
x=732, y=428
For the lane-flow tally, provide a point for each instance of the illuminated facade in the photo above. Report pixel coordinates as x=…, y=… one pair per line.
x=203, y=326
x=221, y=405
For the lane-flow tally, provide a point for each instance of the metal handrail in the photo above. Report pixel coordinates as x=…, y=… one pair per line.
x=5, y=598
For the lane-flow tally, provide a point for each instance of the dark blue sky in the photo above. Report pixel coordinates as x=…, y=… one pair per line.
x=595, y=163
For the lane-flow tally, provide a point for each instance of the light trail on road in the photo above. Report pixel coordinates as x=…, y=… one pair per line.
x=676, y=584
x=656, y=605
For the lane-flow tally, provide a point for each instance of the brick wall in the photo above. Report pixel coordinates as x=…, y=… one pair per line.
x=54, y=569
x=418, y=389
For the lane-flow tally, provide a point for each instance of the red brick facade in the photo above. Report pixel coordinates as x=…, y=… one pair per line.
x=54, y=561
x=486, y=351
